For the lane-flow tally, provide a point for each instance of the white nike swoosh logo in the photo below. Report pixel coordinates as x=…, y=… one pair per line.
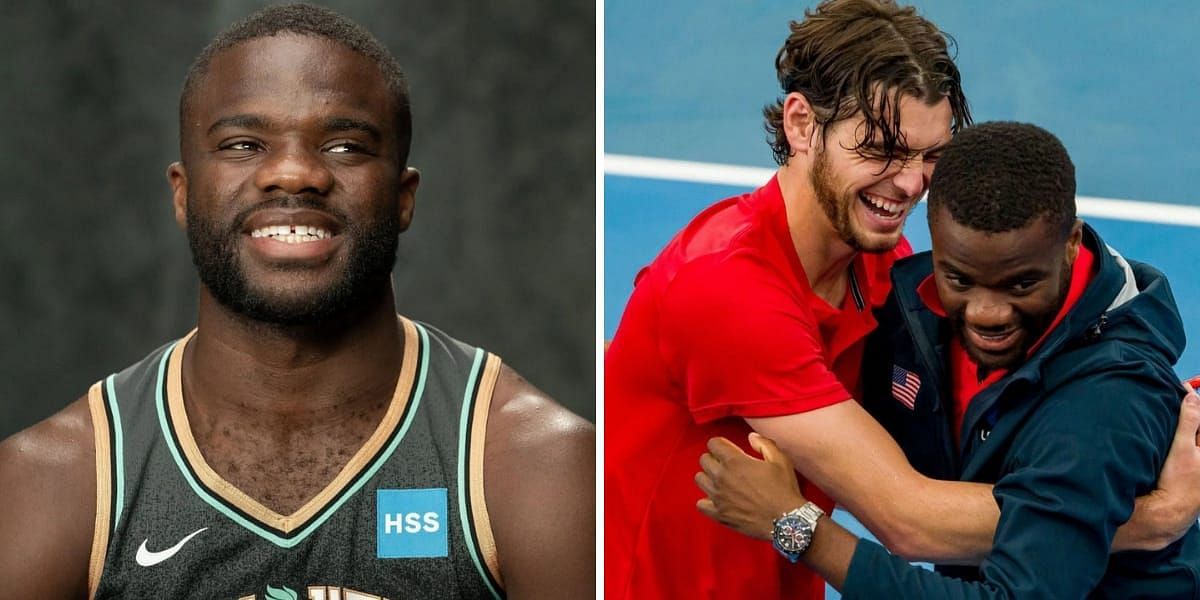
x=147, y=558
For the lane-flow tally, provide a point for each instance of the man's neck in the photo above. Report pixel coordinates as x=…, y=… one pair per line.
x=824, y=256
x=298, y=376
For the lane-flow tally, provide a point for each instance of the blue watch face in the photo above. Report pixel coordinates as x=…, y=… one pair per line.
x=791, y=536
x=788, y=532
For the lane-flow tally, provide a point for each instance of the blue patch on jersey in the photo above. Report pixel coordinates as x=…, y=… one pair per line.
x=411, y=523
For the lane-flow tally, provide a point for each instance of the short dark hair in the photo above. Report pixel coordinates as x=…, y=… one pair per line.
x=1000, y=176
x=852, y=56
x=314, y=21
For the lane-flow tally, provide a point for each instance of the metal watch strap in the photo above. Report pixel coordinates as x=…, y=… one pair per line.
x=810, y=512
x=793, y=531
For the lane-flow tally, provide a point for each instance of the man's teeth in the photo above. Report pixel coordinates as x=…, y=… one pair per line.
x=291, y=234
x=892, y=208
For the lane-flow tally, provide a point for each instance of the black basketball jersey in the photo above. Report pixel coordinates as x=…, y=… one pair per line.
x=405, y=518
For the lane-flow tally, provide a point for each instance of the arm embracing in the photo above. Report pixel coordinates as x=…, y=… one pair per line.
x=848, y=455
x=743, y=345
x=1167, y=512
x=1071, y=475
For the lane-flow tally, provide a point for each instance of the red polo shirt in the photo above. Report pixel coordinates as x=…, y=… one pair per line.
x=720, y=327
x=964, y=379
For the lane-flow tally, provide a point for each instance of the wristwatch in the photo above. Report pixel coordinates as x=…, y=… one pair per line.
x=793, y=531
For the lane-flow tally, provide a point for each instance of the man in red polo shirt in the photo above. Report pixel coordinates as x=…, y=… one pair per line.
x=754, y=315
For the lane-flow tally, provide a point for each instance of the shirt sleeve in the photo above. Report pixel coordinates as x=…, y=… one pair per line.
x=738, y=337
x=1074, y=471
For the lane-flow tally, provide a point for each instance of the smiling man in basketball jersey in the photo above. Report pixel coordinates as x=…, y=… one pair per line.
x=304, y=441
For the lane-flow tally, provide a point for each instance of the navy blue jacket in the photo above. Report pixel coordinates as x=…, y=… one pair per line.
x=1069, y=439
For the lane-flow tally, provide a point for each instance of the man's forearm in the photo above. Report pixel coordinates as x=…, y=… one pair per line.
x=916, y=517
x=950, y=523
x=830, y=552
x=1146, y=528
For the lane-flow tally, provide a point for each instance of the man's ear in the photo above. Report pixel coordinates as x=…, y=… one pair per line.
x=177, y=177
x=799, y=123
x=1073, y=241
x=410, y=180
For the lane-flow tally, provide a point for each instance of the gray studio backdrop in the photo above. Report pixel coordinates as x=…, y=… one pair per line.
x=94, y=273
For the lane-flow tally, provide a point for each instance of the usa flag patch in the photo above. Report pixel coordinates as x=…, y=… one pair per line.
x=905, y=385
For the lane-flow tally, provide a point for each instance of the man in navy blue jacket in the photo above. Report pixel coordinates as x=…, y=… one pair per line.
x=1022, y=352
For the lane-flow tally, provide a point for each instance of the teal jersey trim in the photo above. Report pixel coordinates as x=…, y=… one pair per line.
x=333, y=507
x=118, y=450
x=467, y=405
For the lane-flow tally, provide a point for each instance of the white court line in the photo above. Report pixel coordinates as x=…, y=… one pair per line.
x=700, y=172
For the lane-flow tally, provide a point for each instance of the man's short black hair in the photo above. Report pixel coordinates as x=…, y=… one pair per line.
x=315, y=21
x=1000, y=176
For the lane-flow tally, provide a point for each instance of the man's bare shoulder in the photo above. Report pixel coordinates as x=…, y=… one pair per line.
x=64, y=441
x=47, y=512
x=530, y=435
x=539, y=479
x=524, y=420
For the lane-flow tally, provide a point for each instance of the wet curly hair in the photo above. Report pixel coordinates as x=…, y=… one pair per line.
x=863, y=56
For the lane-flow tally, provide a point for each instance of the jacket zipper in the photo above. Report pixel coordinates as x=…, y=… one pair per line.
x=932, y=366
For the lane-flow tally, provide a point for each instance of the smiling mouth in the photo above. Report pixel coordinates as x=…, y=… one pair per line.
x=883, y=207
x=291, y=234
x=993, y=343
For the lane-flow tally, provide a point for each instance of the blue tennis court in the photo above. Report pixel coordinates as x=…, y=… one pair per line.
x=686, y=81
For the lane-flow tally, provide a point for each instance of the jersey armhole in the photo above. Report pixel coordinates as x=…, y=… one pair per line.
x=100, y=534
x=476, y=516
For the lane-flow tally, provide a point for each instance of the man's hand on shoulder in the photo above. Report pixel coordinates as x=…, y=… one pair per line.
x=47, y=511
x=1165, y=514
x=540, y=483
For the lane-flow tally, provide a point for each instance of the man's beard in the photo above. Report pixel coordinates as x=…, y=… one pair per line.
x=833, y=204
x=371, y=254
x=1034, y=327
x=837, y=206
